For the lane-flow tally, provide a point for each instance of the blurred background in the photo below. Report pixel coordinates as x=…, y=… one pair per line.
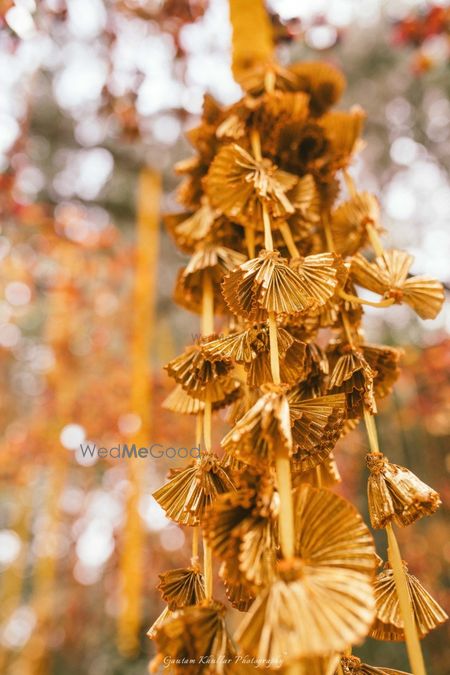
x=96, y=96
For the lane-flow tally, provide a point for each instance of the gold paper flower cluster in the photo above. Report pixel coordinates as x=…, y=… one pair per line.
x=279, y=242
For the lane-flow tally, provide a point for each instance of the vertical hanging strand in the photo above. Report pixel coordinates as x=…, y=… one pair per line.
x=409, y=625
x=252, y=41
x=131, y=563
x=207, y=329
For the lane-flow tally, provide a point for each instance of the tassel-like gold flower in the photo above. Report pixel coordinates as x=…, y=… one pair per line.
x=322, y=81
x=193, y=637
x=213, y=260
x=384, y=361
x=388, y=276
x=388, y=624
x=329, y=585
x=396, y=494
x=349, y=222
x=191, y=490
x=352, y=665
x=203, y=375
x=317, y=425
x=353, y=376
x=182, y=587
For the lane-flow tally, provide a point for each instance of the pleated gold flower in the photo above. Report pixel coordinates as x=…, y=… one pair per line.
x=263, y=430
x=325, y=474
x=389, y=276
x=204, y=376
x=353, y=376
x=193, y=637
x=322, y=81
x=317, y=425
x=237, y=184
x=182, y=587
x=188, y=229
x=269, y=284
x=343, y=130
x=190, y=491
x=264, y=77
x=179, y=401
x=384, y=361
x=388, y=624
x=320, y=275
x=349, y=222
x=329, y=585
x=352, y=665
x=396, y=494
x=251, y=348
x=213, y=260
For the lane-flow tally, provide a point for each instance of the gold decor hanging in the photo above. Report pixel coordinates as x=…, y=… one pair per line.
x=389, y=623
x=275, y=231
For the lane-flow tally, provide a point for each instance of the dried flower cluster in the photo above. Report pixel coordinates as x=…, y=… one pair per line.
x=277, y=254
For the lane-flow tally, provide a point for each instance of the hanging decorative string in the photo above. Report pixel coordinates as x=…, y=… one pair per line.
x=278, y=253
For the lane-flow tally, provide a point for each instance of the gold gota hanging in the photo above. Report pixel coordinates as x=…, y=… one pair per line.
x=329, y=585
x=388, y=276
x=389, y=623
x=237, y=184
x=182, y=587
x=190, y=491
x=396, y=494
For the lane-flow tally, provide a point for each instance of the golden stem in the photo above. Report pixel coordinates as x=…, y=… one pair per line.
x=339, y=669
x=375, y=240
x=361, y=301
x=195, y=538
x=347, y=328
x=286, y=517
x=268, y=240
x=207, y=305
x=371, y=432
x=207, y=568
x=350, y=183
x=207, y=424
x=273, y=341
x=255, y=140
x=250, y=241
x=327, y=231
x=318, y=476
x=289, y=240
x=411, y=636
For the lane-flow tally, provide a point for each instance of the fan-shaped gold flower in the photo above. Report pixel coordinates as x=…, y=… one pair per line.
x=352, y=665
x=349, y=222
x=322, y=81
x=388, y=276
x=268, y=284
x=317, y=425
x=194, y=637
x=203, y=375
x=353, y=376
x=188, y=229
x=325, y=474
x=320, y=275
x=395, y=493
x=263, y=430
x=330, y=588
x=237, y=589
x=182, y=587
x=179, y=401
x=237, y=184
x=384, y=361
x=190, y=491
x=211, y=259
x=389, y=623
